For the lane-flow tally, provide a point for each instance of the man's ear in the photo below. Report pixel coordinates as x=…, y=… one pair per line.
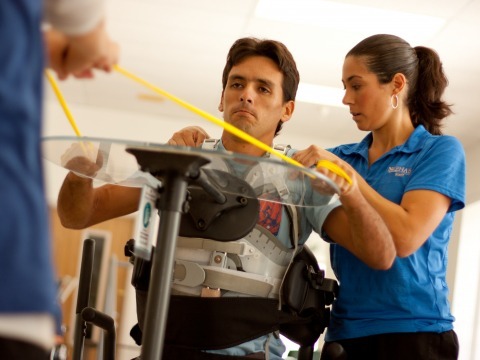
x=288, y=110
x=220, y=106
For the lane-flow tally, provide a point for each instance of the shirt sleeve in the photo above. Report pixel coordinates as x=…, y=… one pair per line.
x=317, y=215
x=442, y=168
x=74, y=17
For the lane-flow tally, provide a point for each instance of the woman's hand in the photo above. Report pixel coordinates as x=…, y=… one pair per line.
x=341, y=173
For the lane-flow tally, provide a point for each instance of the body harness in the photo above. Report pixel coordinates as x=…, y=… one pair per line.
x=225, y=293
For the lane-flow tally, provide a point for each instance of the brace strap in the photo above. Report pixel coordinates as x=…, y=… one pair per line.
x=191, y=274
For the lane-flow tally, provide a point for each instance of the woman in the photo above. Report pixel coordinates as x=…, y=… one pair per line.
x=415, y=178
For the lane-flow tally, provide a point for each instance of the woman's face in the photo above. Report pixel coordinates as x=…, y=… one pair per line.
x=368, y=100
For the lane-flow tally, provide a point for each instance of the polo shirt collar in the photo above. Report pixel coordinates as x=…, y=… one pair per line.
x=414, y=143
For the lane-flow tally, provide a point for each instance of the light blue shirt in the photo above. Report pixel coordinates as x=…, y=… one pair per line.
x=311, y=218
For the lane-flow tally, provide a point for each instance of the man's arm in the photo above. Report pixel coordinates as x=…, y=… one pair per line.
x=80, y=205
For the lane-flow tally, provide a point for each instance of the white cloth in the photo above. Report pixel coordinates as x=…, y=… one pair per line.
x=74, y=17
x=38, y=329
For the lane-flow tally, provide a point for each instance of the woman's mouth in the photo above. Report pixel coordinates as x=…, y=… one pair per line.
x=355, y=115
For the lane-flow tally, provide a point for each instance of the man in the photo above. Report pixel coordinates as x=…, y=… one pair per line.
x=260, y=81
x=76, y=43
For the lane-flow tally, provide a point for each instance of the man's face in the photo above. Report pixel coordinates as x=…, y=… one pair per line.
x=253, y=98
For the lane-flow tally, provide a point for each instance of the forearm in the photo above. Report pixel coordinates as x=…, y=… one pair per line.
x=410, y=222
x=369, y=237
x=80, y=205
x=75, y=202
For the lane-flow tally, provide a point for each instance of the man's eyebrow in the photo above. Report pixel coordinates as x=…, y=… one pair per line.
x=259, y=80
x=266, y=82
x=236, y=77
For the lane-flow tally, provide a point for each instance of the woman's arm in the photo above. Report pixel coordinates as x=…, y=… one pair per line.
x=410, y=223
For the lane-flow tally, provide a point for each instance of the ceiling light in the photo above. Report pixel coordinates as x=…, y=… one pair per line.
x=150, y=97
x=318, y=94
x=415, y=28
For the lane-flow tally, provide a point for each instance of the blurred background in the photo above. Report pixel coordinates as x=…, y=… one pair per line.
x=181, y=46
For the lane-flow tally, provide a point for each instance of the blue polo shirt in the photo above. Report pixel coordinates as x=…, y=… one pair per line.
x=412, y=296
x=27, y=283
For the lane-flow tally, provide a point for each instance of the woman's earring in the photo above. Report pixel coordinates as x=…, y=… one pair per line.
x=393, y=102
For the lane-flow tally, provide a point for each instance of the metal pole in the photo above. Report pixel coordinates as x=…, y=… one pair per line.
x=170, y=209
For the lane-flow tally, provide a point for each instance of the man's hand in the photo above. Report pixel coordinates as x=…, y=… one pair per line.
x=83, y=159
x=192, y=136
x=79, y=55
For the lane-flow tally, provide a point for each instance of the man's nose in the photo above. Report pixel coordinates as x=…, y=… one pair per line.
x=247, y=95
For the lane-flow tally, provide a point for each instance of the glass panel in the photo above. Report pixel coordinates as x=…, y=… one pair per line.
x=112, y=161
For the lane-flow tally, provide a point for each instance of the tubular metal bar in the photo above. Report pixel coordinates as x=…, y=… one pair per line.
x=171, y=206
x=84, y=284
x=106, y=323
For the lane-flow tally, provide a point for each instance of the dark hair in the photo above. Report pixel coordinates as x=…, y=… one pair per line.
x=274, y=50
x=387, y=55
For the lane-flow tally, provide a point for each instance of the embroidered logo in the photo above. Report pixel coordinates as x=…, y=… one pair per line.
x=399, y=170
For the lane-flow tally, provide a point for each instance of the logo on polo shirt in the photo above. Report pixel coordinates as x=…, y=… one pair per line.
x=399, y=170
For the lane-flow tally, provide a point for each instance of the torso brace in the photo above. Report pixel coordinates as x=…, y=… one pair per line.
x=227, y=293
x=253, y=266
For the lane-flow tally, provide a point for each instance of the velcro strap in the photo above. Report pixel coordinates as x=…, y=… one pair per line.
x=191, y=274
x=242, y=282
x=231, y=247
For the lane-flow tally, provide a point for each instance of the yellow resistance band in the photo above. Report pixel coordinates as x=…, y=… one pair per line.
x=230, y=128
x=335, y=169
x=62, y=101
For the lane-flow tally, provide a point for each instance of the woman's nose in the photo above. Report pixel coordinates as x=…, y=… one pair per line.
x=346, y=98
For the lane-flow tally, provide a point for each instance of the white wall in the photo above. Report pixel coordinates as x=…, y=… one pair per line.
x=473, y=173
x=464, y=270
x=466, y=297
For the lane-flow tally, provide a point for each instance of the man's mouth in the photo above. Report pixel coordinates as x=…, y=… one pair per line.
x=243, y=111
